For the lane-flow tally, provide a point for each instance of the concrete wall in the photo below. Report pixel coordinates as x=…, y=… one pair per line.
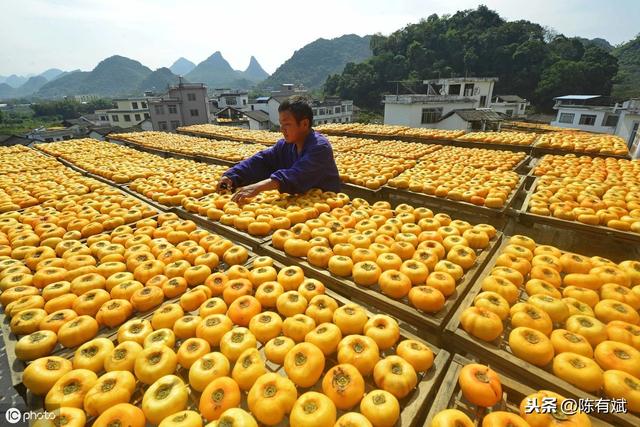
x=411, y=114
x=201, y=104
x=626, y=125
x=577, y=112
x=518, y=108
x=453, y=122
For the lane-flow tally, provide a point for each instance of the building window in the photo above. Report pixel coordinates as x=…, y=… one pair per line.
x=191, y=97
x=587, y=119
x=321, y=112
x=509, y=113
x=230, y=100
x=431, y=115
x=244, y=102
x=137, y=116
x=127, y=117
x=611, y=120
x=159, y=109
x=175, y=124
x=162, y=125
x=346, y=119
x=172, y=109
x=349, y=107
x=104, y=118
x=143, y=104
x=134, y=105
x=521, y=107
x=115, y=118
x=483, y=101
x=566, y=117
x=454, y=89
x=146, y=115
x=194, y=113
x=468, y=89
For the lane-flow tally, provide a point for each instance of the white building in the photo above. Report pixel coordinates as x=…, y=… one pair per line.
x=86, y=98
x=232, y=98
x=596, y=113
x=129, y=112
x=510, y=105
x=593, y=113
x=629, y=122
x=479, y=89
x=442, y=98
x=332, y=110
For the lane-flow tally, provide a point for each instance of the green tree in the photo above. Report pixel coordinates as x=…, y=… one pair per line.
x=528, y=59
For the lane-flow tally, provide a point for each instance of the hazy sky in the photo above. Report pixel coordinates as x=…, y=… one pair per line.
x=70, y=34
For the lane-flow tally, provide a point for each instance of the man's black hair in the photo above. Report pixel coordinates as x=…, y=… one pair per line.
x=299, y=107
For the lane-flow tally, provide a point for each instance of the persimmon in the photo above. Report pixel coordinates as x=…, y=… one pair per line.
x=618, y=356
x=78, y=331
x=381, y=408
x=41, y=374
x=271, y=397
x=166, y=316
x=583, y=372
x=234, y=342
x=154, y=362
x=416, y=353
x=221, y=394
x=206, y=369
x=395, y=375
x=304, y=364
x=70, y=389
x=122, y=357
x=164, y=397
x=243, y=309
x=480, y=385
x=531, y=345
x=313, y=409
x=186, y=326
x=92, y=354
x=451, y=417
x=109, y=390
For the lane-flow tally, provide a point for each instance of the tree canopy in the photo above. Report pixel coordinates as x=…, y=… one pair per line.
x=528, y=59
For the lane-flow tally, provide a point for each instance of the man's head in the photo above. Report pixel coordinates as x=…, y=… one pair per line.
x=296, y=118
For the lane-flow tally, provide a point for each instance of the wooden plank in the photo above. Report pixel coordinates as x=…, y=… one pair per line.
x=540, y=151
x=413, y=407
x=514, y=390
x=498, y=353
x=427, y=324
x=435, y=201
x=593, y=230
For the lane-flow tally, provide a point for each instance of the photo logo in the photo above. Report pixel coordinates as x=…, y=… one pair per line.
x=13, y=415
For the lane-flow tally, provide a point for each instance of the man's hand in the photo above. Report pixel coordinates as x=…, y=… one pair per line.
x=252, y=190
x=245, y=193
x=224, y=183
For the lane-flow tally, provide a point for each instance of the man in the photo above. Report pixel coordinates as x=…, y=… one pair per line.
x=302, y=160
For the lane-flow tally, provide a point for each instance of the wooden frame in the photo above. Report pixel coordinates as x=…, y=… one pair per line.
x=413, y=407
x=424, y=324
x=498, y=354
x=599, y=230
x=513, y=392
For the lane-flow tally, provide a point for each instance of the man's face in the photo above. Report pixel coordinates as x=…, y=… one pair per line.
x=291, y=130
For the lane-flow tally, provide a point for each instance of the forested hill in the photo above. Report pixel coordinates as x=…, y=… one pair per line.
x=528, y=60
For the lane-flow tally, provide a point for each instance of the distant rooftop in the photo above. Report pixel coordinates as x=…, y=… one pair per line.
x=578, y=97
x=424, y=99
x=460, y=80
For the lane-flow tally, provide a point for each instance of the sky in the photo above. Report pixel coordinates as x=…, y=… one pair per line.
x=77, y=34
